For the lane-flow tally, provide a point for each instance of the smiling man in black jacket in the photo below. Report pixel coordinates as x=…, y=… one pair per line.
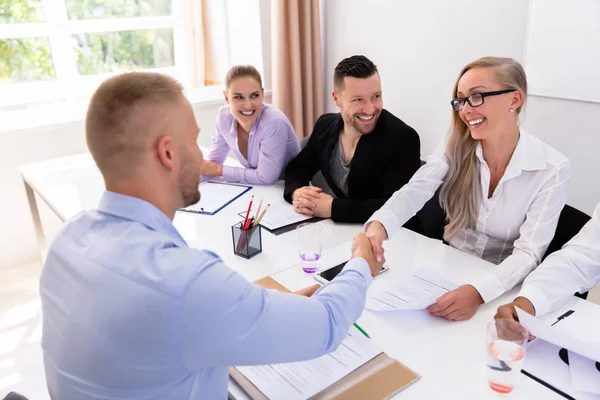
x=364, y=152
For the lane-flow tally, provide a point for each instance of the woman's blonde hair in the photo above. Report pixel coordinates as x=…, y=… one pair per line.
x=460, y=194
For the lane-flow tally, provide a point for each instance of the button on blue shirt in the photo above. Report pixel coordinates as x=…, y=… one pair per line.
x=131, y=312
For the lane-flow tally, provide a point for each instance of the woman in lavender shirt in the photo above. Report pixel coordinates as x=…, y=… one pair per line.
x=261, y=136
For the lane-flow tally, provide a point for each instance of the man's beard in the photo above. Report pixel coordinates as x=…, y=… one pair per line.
x=188, y=185
x=359, y=128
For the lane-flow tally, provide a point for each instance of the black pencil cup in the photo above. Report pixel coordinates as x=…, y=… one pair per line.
x=246, y=243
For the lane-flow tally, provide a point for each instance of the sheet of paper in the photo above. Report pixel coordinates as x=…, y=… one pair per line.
x=215, y=195
x=542, y=360
x=416, y=293
x=543, y=331
x=303, y=379
x=279, y=214
x=585, y=376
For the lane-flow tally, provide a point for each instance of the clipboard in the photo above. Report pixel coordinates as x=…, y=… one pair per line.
x=283, y=228
x=216, y=196
x=380, y=378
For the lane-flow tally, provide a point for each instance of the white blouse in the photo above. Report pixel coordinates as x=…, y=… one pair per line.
x=575, y=268
x=515, y=225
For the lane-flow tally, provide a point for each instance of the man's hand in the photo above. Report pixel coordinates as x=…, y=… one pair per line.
x=511, y=329
x=312, y=202
x=377, y=233
x=361, y=248
x=457, y=305
x=304, y=198
x=210, y=168
x=323, y=206
x=308, y=291
x=508, y=311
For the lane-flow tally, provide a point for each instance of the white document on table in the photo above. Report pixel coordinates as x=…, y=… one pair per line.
x=279, y=215
x=415, y=293
x=216, y=195
x=585, y=376
x=543, y=331
x=301, y=380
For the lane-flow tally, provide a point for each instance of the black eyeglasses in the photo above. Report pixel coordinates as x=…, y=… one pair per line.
x=476, y=99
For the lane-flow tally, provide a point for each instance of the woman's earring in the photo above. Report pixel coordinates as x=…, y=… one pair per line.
x=511, y=110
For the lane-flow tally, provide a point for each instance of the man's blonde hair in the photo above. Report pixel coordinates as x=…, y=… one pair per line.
x=122, y=113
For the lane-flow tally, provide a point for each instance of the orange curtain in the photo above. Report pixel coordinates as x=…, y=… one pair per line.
x=297, y=62
x=203, y=54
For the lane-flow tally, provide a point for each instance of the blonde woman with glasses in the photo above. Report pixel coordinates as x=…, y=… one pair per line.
x=502, y=189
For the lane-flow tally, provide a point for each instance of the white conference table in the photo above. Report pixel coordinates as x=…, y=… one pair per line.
x=449, y=356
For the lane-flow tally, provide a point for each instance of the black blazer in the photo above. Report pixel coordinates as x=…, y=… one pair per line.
x=385, y=159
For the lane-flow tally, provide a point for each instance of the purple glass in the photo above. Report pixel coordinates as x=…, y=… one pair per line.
x=310, y=245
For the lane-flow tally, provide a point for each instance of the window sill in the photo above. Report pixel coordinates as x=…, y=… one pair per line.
x=47, y=114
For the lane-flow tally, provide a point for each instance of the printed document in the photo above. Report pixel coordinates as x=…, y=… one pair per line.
x=301, y=380
x=543, y=331
x=416, y=293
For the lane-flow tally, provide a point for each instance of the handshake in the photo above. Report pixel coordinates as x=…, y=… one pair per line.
x=369, y=246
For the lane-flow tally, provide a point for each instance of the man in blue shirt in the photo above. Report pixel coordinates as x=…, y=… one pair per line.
x=129, y=310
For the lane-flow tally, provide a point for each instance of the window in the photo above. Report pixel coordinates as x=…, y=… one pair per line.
x=53, y=50
x=62, y=49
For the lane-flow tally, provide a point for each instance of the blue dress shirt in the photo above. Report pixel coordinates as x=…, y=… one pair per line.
x=131, y=312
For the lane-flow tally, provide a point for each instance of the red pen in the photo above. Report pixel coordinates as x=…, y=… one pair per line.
x=246, y=220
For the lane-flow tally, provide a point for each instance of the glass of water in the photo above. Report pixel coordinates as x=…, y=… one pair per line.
x=506, y=343
x=310, y=245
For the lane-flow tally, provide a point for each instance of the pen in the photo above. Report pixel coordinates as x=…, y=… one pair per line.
x=248, y=213
x=565, y=315
x=258, y=210
x=256, y=222
x=362, y=330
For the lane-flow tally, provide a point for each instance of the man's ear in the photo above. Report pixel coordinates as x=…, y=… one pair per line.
x=165, y=152
x=334, y=95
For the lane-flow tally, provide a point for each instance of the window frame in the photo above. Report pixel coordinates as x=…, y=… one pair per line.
x=69, y=84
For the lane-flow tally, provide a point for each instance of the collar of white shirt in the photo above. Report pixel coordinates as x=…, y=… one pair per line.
x=529, y=155
x=138, y=210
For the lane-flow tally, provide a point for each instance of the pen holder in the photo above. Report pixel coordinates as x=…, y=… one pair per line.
x=246, y=243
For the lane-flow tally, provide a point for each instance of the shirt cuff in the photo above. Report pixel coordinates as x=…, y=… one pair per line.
x=387, y=218
x=361, y=266
x=489, y=287
x=537, y=298
x=232, y=174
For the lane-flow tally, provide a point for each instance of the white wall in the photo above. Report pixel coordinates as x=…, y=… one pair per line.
x=420, y=47
x=573, y=128
x=17, y=235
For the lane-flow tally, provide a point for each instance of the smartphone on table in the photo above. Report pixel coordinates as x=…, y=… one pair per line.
x=329, y=274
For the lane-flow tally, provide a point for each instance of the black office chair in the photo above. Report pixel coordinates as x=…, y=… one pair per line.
x=429, y=220
x=15, y=396
x=570, y=222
